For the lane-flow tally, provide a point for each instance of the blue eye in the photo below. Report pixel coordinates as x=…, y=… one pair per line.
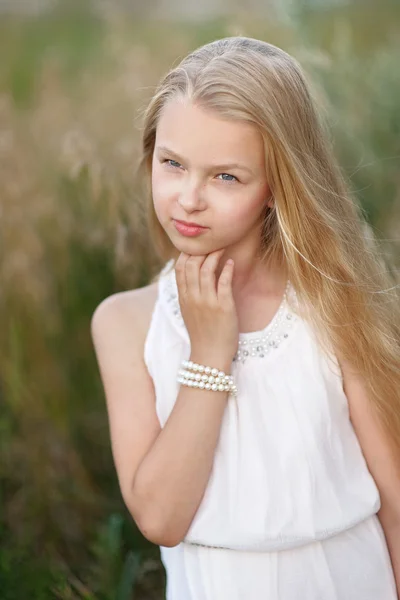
x=169, y=161
x=229, y=180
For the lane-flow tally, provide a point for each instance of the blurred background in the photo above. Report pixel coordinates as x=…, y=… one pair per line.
x=75, y=77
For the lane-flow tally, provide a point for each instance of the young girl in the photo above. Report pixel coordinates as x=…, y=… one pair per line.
x=254, y=405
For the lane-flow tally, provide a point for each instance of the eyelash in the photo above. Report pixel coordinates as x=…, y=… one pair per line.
x=169, y=160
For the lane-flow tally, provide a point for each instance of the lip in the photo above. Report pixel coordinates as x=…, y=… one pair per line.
x=188, y=230
x=189, y=224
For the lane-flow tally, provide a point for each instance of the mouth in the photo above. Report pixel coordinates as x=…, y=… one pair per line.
x=188, y=224
x=188, y=230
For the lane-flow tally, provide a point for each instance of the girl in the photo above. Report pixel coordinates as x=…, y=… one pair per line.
x=254, y=405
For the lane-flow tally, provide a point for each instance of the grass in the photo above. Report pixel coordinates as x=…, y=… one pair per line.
x=71, y=92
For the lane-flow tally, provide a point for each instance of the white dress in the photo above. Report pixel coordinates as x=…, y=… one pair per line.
x=289, y=512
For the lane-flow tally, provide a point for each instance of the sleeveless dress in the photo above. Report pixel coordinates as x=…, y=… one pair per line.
x=289, y=511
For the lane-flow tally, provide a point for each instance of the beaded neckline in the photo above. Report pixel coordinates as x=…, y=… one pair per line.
x=267, y=340
x=251, y=344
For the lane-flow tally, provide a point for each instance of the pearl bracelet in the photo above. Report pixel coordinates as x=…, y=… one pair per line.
x=205, y=378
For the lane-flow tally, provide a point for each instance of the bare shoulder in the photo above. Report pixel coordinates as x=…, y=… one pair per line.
x=128, y=311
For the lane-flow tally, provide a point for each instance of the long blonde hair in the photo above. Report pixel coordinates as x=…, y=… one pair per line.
x=316, y=226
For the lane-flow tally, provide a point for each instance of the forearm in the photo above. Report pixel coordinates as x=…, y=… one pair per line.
x=392, y=534
x=171, y=480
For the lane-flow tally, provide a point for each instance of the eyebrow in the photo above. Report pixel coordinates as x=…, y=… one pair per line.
x=225, y=166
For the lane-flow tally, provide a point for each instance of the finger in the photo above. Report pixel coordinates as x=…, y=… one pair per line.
x=208, y=269
x=224, y=286
x=180, y=273
x=192, y=269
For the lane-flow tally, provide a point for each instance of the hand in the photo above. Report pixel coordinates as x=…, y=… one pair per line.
x=207, y=306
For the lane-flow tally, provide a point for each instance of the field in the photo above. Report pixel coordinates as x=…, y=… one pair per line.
x=72, y=90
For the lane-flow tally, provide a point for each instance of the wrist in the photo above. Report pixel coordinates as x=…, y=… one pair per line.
x=212, y=359
x=206, y=376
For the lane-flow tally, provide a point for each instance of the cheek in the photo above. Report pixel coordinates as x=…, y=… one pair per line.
x=246, y=209
x=162, y=190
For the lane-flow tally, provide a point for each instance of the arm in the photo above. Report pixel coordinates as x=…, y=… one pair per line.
x=162, y=473
x=382, y=464
x=173, y=476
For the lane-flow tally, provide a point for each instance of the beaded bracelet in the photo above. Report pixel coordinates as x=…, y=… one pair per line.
x=205, y=378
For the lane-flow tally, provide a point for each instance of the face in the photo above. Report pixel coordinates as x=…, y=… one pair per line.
x=209, y=171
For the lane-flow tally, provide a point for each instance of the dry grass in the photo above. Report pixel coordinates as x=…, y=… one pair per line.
x=72, y=232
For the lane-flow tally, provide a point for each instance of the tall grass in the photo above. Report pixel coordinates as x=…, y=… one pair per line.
x=72, y=232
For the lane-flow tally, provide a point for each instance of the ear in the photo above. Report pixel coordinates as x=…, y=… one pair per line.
x=270, y=202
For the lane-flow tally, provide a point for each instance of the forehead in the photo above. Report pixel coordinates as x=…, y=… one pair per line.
x=190, y=130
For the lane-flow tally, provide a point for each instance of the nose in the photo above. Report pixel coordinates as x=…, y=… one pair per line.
x=191, y=197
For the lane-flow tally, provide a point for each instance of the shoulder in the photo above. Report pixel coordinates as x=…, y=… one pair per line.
x=124, y=314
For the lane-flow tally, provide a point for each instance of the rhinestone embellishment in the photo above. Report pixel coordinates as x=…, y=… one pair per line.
x=260, y=344
x=256, y=344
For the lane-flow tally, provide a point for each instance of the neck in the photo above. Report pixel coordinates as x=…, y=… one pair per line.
x=255, y=278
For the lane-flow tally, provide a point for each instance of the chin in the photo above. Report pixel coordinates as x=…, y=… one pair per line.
x=192, y=250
